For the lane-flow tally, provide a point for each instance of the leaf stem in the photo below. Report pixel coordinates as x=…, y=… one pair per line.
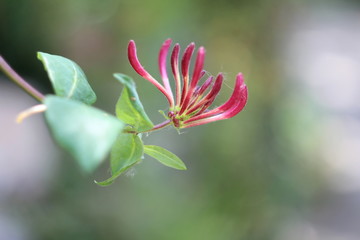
x=5, y=67
x=156, y=127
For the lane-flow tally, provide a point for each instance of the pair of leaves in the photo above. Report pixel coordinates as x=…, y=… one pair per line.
x=87, y=133
x=84, y=131
x=128, y=150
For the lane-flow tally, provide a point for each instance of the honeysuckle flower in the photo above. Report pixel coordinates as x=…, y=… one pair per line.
x=190, y=106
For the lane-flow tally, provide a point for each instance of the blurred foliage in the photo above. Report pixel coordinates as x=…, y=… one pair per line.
x=246, y=176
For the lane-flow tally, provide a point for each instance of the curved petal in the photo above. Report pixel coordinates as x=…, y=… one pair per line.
x=185, y=64
x=133, y=59
x=162, y=65
x=198, y=68
x=229, y=109
x=176, y=73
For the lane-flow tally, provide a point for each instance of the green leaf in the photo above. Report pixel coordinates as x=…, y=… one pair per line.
x=126, y=152
x=165, y=157
x=85, y=132
x=129, y=108
x=67, y=78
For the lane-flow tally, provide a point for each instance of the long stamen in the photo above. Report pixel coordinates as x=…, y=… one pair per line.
x=142, y=72
x=162, y=65
x=204, y=103
x=200, y=91
x=205, y=85
x=176, y=73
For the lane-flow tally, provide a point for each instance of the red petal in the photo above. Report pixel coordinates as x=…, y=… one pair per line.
x=185, y=64
x=175, y=70
x=199, y=63
x=142, y=72
x=200, y=91
x=209, y=98
x=162, y=65
x=233, y=106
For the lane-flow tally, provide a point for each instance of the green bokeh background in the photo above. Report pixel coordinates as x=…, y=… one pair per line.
x=246, y=176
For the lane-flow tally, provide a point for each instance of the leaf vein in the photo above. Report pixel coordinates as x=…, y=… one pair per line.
x=75, y=82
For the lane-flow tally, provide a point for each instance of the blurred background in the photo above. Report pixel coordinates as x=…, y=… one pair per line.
x=286, y=168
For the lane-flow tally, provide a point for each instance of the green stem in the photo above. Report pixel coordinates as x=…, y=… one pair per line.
x=156, y=127
x=5, y=67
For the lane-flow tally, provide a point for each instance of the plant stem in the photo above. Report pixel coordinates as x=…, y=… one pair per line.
x=5, y=67
x=156, y=127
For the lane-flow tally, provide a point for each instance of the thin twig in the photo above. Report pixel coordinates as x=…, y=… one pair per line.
x=156, y=127
x=5, y=67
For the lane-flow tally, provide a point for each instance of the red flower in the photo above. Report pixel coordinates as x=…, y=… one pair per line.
x=190, y=106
